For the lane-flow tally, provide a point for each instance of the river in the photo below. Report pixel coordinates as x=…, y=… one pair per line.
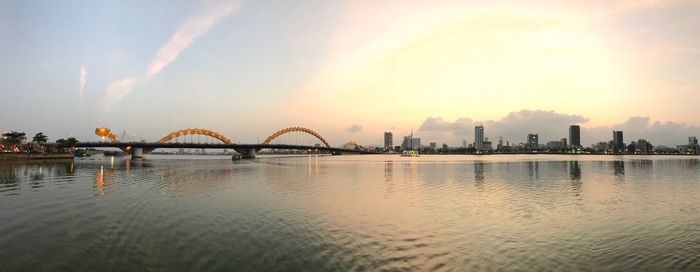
x=352, y=213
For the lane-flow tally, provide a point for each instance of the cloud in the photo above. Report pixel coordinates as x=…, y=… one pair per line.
x=188, y=32
x=514, y=126
x=552, y=126
x=183, y=37
x=355, y=128
x=635, y=128
x=436, y=124
x=83, y=79
x=116, y=91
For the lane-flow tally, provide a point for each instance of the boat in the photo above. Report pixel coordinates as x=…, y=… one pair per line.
x=409, y=153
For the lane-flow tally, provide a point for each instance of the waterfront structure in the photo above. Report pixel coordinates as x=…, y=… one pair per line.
x=500, y=143
x=388, y=140
x=433, y=146
x=618, y=143
x=479, y=137
x=693, y=143
x=575, y=136
x=533, y=141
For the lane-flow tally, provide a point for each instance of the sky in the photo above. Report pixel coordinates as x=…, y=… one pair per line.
x=351, y=70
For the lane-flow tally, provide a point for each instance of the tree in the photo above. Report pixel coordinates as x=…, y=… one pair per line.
x=61, y=142
x=11, y=139
x=72, y=141
x=40, y=138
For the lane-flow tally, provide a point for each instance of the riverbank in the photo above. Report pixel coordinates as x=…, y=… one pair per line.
x=34, y=156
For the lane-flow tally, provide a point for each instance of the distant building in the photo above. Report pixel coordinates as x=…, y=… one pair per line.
x=415, y=143
x=533, y=141
x=575, y=136
x=554, y=145
x=564, y=143
x=618, y=143
x=488, y=146
x=464, y=143
x=433, y=146
x=388, y=140
x=445, y=147
x=693, y=143
x=479, y=137
x=643, y=147
x=601, y=147
x=410, y=143
x=500, y=143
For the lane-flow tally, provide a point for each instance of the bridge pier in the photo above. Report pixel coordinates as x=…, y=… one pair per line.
x=137, y=153
x=246, y=153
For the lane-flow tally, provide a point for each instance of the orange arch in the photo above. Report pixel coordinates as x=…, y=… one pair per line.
x=196, y=131
x=352, y=145
x=296, y=129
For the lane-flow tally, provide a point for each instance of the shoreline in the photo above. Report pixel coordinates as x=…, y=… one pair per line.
x=35, y=156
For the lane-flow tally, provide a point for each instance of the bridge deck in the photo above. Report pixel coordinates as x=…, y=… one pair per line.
x=216, y=146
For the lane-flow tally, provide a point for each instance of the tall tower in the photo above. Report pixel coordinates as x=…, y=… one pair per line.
x=479, y=137
x=618, y=142
x=388, y=140
x=574, y=136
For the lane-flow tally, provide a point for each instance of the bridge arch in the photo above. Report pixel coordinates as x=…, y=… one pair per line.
x=195, y=131
x=352, y=145
x=296, y=129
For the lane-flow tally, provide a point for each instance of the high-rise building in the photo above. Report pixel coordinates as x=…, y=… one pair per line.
x=388, y=140
x=575, y=136
x=533, y=141
x=693, y=143
x=564, y=143
x=500, y=143
x=618, y=143
x=479, y=137
x=464, y=143
x=433, y=146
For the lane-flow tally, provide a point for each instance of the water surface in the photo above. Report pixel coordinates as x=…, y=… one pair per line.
x=340, y=213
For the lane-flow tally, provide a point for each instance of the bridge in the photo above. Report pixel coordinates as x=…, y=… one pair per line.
x=248, y=151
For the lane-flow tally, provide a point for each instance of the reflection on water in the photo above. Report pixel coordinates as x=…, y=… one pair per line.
x=330, y=213
x=479, y=171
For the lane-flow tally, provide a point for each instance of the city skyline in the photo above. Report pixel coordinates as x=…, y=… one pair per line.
x=246, y=68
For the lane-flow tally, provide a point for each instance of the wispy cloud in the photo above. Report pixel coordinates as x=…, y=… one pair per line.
x=83, y=79
x=180, y=40
x=188, y=32
x=116, y=91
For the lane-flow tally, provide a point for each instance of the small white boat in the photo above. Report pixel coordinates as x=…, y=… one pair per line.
x=409, y=153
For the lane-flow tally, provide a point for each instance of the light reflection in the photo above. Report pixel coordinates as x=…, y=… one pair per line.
x=388, y=170
x=100, y=180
